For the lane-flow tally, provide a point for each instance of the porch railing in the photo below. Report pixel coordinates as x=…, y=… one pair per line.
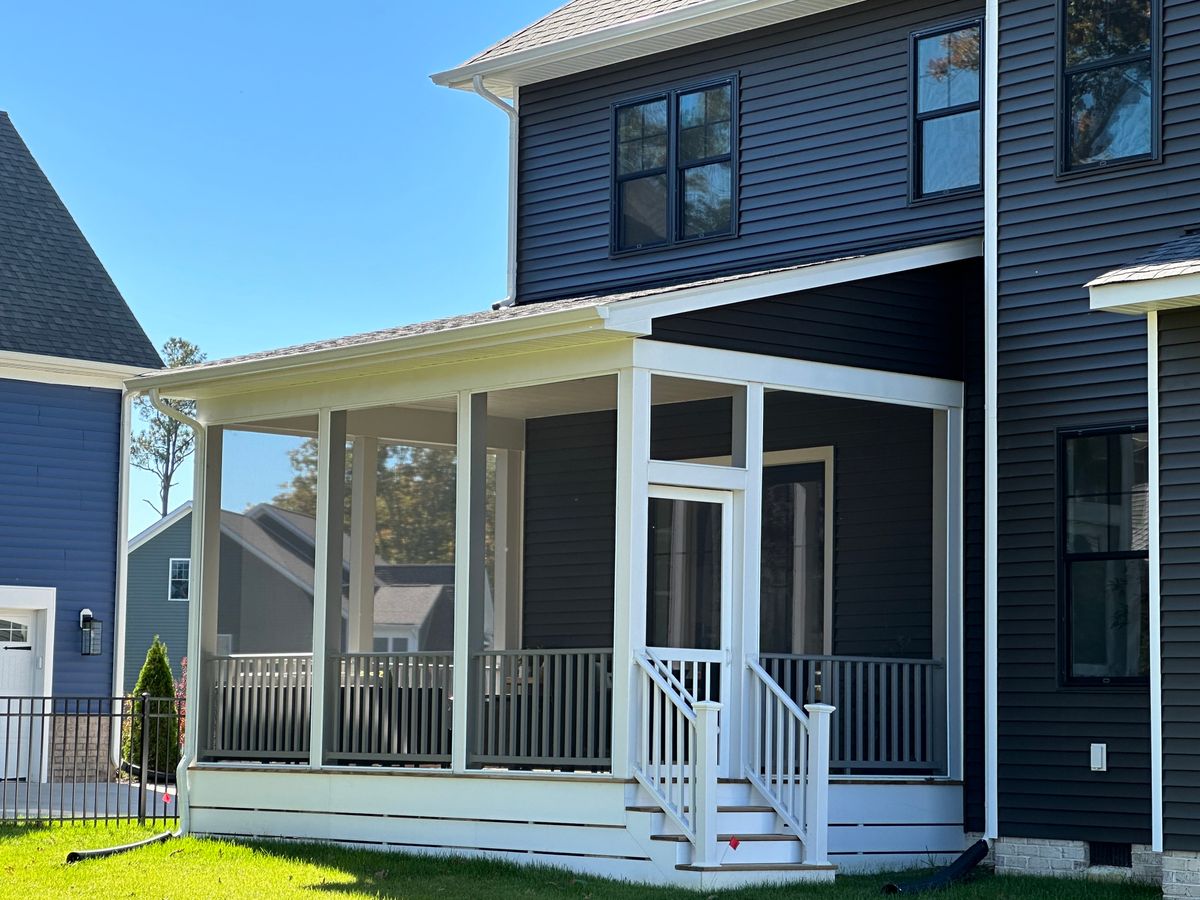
x=261, y=707
x=676, y=760
x=890, y=713
x=787, y=759
x=542, y=708
x=393, y=708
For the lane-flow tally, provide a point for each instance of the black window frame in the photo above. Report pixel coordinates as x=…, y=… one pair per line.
x=1063, y=558
x=673, y=170
x=1062, y=111
x=916, y=119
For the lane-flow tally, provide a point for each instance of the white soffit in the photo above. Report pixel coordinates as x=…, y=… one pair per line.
x=631, y=40
x=1143, y=296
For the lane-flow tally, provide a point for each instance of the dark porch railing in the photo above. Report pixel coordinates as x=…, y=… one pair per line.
x=261, y=707
x=890, y=713
x=542, y=708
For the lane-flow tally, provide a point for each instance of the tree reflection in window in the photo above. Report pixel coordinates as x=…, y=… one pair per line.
x=947, y=113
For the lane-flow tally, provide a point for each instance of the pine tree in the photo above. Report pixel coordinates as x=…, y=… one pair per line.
x=156, y=680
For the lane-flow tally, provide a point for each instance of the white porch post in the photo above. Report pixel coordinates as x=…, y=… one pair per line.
x=470, y=521
x=327, y=576
x=629, y=601
x=360, y=631
x=205, y=583
x=947, y=582
x=747, y=453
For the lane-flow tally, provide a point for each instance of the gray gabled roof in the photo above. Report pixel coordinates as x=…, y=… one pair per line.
x=56, y=299
x=1178, y=257
x=578, y=18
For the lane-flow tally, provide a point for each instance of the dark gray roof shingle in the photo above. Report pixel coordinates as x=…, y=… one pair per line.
x=1178, y=257
x=56, y=299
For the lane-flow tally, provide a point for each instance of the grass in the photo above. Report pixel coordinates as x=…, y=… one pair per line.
x=32, y=865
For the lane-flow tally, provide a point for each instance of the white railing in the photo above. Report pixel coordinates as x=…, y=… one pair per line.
x=697, y=673
x=676, y=760
x=787, y=760
x=891, y=713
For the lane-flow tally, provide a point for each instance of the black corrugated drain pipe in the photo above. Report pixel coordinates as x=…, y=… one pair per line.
x=956, y=871
x=77, y=855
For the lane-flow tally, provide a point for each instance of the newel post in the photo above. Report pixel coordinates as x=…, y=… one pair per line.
x=707, y=716
x=816, y=801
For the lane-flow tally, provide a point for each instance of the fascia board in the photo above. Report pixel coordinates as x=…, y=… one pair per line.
x=1138, y=297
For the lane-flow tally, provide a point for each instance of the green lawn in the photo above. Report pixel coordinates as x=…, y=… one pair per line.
x=33, y=863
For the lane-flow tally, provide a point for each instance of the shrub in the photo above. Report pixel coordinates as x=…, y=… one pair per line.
x=162, y=727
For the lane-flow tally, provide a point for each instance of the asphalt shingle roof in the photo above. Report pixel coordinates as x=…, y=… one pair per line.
x=1178, y=257
x=56, y=299
x=578, y=18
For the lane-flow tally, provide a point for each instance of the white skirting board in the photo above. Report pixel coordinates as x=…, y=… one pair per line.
x=576, y=824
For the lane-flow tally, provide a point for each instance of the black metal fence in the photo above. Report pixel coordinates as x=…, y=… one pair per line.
x=72, y=759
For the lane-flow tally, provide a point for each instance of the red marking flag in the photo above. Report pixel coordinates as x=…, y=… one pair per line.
x=167, y=799
x=734, y=843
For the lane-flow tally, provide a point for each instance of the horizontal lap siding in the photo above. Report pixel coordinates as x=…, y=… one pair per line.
x=1061, y=365
x=1179, y=514
x=823, y=153
x=148, y=612
x=570, y=530
x=60, y=453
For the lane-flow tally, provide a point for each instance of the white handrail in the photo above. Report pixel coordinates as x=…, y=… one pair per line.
x=676, y=760
x=787, y=760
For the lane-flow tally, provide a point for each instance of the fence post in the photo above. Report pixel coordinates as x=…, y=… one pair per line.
x=145, y=761
x=705, y=773
x=816, y=801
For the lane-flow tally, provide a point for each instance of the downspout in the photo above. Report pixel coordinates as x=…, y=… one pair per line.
x=514, y=137
x=120, y=600
x=191, y=700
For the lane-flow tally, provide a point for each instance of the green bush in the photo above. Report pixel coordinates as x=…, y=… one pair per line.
x=162, y=727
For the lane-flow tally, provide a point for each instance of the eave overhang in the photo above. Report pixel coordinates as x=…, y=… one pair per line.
x=1148, y=295
x=630, y=40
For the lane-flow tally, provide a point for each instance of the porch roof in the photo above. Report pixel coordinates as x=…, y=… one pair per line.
x=557, y=323
x=1168, y=277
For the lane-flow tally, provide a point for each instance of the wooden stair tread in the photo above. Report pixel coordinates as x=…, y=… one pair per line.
x=720, y=809
x=726, y=838
x=756, y=867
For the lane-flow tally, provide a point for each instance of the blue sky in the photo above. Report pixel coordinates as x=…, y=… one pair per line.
x=261, y=174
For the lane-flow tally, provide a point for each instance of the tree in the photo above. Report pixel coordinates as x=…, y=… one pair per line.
x=164, y=443
x=156, y=680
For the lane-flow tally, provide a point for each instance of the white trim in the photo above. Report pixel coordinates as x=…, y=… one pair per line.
x=63, y=370
x=1156, y=697
x=798, y=375
x=634, y=314
x=161, y=525
x=1146, y=295
x=630, y=40
x=991, y=262
x=170, y=578
x=691, y=474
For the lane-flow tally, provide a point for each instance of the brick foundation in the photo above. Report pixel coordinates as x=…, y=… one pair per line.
x=80, y=749
x=1038, y=856
x=1181, y=874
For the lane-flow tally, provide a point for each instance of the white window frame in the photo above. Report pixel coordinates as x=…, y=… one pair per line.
x=171, y=578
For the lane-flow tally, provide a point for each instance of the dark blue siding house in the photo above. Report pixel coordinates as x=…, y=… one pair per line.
x=67, y=339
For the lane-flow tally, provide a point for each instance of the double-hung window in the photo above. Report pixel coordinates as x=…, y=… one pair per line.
x=674, y=167
x=179, y=573
x=947, y=117
x=1108, y=82
x=1105, y=536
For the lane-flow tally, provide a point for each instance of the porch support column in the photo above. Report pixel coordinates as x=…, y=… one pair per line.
x=360, y=632
x=327, y=577
x=469, y=571
x=747, y=525
x=947, y=584
x=205, y=582
x=506, y=619
x=629, y=601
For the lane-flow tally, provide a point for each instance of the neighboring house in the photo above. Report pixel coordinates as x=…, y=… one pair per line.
x=272, y=549
x=67, y=343
x=797, y=395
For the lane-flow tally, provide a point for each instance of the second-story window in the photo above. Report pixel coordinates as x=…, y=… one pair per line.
x=674, y=167
x=179, y=573
x=947, y=121
x=1108, y=82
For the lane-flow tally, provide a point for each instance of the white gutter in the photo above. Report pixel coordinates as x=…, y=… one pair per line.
x=122, y=581
x=514, y=139
x=192, y=699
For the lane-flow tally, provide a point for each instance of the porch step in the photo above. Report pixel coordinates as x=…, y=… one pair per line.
x=720, y=809
x=758, y=867
x=726, y=838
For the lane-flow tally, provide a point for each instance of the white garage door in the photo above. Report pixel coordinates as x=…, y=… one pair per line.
x=16, y=680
